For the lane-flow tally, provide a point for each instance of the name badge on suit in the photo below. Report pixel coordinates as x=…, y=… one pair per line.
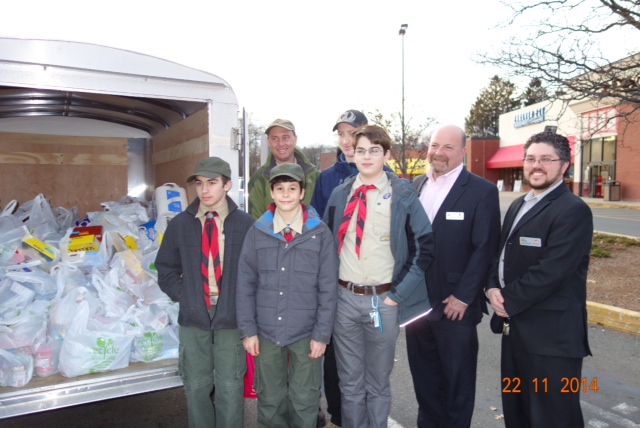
x=530, y=242
x=455, y=216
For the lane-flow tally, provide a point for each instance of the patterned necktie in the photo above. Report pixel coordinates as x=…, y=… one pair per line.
x=287, y=232
x=358, y=201
x=210, y=248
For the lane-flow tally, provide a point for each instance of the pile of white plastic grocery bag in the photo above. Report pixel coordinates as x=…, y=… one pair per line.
x=80, y=296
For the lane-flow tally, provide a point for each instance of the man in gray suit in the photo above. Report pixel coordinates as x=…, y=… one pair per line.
x=442, y=347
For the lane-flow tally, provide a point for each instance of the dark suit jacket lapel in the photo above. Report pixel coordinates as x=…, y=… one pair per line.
x=508, y=220
x=452, y=197
x=537, y=208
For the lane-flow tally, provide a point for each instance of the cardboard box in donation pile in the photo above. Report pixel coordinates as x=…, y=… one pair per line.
x=86, y=238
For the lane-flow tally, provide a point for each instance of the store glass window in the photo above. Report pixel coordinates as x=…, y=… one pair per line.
x=596, y=150
x=609, y=149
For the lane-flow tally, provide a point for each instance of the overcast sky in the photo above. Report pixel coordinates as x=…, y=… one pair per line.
x=304, y=61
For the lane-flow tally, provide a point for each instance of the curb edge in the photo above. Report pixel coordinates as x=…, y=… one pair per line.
x=617, y=318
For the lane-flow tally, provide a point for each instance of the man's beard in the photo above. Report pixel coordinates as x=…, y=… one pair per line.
x=443, y=168
x=545, y=184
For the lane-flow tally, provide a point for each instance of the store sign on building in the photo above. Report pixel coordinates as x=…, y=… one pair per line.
x=529, y=118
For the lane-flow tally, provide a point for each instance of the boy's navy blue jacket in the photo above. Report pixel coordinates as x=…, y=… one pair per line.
x=179, y=273
x=330, y=178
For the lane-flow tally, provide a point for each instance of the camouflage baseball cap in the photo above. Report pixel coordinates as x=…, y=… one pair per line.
x=282, y=123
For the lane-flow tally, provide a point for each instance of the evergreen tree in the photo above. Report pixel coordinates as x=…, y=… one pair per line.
x=495, y=99
x=534, y=93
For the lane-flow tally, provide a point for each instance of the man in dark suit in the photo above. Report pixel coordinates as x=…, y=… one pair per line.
x=442, y=347
x=538, y=292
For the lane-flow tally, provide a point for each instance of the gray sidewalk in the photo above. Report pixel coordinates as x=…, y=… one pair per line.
x=601, y=203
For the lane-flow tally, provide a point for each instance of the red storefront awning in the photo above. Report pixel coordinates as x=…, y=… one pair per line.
x=507, y=157
x=511, y=157
x=572, y=144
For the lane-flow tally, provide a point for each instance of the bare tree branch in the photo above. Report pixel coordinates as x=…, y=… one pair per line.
x=254, y=137
x=561, y=42
x=414, y=147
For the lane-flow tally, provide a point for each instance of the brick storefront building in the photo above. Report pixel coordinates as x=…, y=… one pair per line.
x=605, y=148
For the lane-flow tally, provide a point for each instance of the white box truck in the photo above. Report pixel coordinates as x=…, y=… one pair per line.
x=84, y=124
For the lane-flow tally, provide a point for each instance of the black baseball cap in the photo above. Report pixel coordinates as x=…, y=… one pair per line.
x=354, y=118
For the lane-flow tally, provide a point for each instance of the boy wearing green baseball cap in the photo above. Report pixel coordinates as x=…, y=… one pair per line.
x=286, y=301
x=197, y=266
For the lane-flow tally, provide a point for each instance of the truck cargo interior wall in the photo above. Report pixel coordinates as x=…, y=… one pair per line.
x=68, y=170
x=141, y=176
x=178, y=149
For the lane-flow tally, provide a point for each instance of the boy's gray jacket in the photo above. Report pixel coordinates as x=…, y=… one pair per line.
x=179, y=273
x=288, y=292
x=411, y=243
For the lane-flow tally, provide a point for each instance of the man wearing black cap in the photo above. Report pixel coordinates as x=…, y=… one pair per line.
x=198, y=266
x=345, y=167
x=282, y=140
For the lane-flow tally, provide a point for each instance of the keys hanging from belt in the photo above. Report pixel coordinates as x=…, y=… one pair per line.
x=375, y=313
x=505, y=328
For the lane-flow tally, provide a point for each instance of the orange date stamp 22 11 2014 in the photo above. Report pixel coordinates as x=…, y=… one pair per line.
x=573, y=385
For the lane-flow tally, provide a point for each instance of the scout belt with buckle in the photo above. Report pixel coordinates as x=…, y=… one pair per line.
x=365, y=290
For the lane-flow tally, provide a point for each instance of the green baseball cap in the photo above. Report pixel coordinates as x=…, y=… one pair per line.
x=211, y=167
x=292, y=170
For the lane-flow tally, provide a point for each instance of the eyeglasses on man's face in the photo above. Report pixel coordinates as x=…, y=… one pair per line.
x=373, y=151
x=542, y=161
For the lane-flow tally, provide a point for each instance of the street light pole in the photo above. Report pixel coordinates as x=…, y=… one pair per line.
x=403, y=30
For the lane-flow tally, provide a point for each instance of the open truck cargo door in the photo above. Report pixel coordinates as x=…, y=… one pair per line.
x=83, y=124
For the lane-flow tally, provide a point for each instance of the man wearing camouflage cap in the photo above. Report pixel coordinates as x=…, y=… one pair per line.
x=282, y=140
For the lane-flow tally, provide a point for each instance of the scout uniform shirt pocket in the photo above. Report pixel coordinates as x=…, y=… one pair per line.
x=381, y=221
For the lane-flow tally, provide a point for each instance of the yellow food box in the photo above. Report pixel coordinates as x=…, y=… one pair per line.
x=44, y=250
x=87, y=243
x=130, y=241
